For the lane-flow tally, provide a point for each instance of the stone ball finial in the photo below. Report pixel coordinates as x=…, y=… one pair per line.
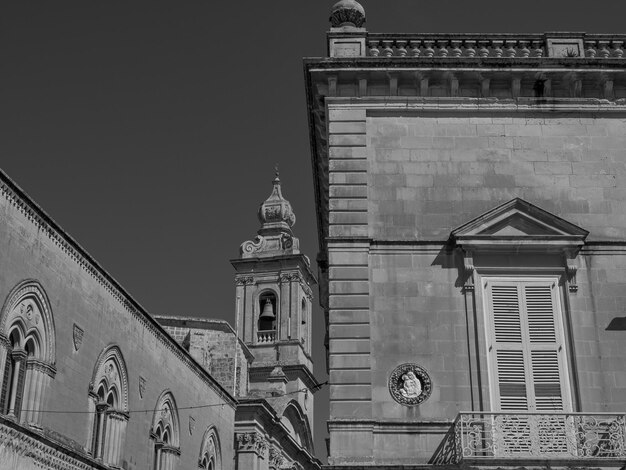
x=347, y=13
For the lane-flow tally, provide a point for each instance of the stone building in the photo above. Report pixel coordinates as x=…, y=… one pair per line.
x=472, y=226
x=90, y=380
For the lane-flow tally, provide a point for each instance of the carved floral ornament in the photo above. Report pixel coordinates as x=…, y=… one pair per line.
x=251, y=442
x=410, y=384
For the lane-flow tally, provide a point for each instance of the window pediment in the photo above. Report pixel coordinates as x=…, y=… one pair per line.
x=519, y=225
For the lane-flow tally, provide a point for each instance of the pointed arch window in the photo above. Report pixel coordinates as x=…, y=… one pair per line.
x=210, y=452
x=165, y=433
x=27, y=353
x=108, y=404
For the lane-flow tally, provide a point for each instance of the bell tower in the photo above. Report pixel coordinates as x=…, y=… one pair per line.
x=274, y=306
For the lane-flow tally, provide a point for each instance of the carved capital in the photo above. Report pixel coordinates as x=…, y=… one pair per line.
x=276, y=459
x=251, y=442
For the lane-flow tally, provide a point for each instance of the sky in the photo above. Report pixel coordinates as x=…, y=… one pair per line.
x=150, y=130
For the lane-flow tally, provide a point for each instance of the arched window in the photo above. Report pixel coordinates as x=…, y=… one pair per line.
x=27, y=352
x=267, y=317
x=210, y=452
x=108, y=403
x=165, y=433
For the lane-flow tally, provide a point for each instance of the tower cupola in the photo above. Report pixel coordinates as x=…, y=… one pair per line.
x=275, y=237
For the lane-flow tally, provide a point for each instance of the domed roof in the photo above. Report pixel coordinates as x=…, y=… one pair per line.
x=276, y=212
x=347, y=13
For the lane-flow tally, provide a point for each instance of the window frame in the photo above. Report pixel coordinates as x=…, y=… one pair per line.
x=512, y=274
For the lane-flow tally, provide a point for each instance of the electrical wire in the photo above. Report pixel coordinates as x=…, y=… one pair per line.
x=313, y=389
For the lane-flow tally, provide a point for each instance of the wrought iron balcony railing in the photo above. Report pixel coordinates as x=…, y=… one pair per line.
x=502, y=436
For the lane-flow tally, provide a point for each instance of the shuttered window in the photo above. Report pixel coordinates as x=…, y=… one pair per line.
x=526, y=345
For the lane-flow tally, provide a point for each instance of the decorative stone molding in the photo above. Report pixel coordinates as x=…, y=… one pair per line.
x=347, y=13
x=77, y=336
x=468, y=266
x=410, y=384
x=251, y=442
x=571, y=263
x=244, y=280
x=47, y=227
x=30, y=447
x=276, y=459
x=253, y=246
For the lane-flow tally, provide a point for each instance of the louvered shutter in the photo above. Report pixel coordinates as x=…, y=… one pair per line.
x=526, y=346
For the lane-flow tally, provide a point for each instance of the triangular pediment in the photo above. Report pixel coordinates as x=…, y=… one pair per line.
x=519, y=222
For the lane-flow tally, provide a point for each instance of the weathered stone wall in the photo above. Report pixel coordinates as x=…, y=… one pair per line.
x=79, y=295
x=428, y=175
x=215, y=350
x=399, y=183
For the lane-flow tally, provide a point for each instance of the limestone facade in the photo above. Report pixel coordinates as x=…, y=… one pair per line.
x=447, y=167
x=90, y=380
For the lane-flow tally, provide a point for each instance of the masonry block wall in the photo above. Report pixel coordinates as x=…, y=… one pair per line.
x=214, y=346
x=400, y=180
x=79, y=295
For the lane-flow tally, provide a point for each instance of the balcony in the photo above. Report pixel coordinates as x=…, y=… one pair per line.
x=500, y=438
x=266, y=336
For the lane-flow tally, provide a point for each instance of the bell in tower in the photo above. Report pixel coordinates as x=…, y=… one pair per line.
x=274, y=307
x=267, y=319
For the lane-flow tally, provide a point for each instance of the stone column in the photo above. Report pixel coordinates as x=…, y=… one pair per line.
x=30, y=387
x=251, y=450
x=4, y=348
x=19, y=357
x=93, y=417
x=284, y=304
x=101, y=430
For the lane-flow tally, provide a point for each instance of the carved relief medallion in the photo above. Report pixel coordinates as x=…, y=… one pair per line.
x=409, y=384
x=77, y=336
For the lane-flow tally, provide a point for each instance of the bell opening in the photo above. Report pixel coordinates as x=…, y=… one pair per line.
x=267, y=307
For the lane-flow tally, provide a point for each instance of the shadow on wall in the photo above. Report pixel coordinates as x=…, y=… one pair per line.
x=617, y=324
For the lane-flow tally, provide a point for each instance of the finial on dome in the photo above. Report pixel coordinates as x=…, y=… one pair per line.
x=348, y=13
x=275, y=212
x=275, y=236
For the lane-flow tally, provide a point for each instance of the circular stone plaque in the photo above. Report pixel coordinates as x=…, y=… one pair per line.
x=409, y=384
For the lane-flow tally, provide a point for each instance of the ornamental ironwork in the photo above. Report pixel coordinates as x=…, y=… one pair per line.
x=479, y=436
x=410, y=384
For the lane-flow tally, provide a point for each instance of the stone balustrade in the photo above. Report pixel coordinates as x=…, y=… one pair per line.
x=456, y=46
x=266, y=336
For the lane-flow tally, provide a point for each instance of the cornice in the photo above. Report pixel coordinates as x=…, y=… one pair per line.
x=43, y=451
x=17, y=198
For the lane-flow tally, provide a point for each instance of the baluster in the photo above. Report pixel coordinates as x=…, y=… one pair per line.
x=387, y=49
x=469, y=48
x=604, y=49
x=510, y=50
x=401, y=47
x=524, y=51
x=456, y=49
x=429, y=51
x=497, y=47
x=374, y=50
x=443, y=51
x=618, y=52
x=415, y=48
x=484, y=49
x=591, y=49
x=537, y=49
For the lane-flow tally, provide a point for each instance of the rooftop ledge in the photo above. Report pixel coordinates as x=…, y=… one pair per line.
x=356, y=42
x=519, y=438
